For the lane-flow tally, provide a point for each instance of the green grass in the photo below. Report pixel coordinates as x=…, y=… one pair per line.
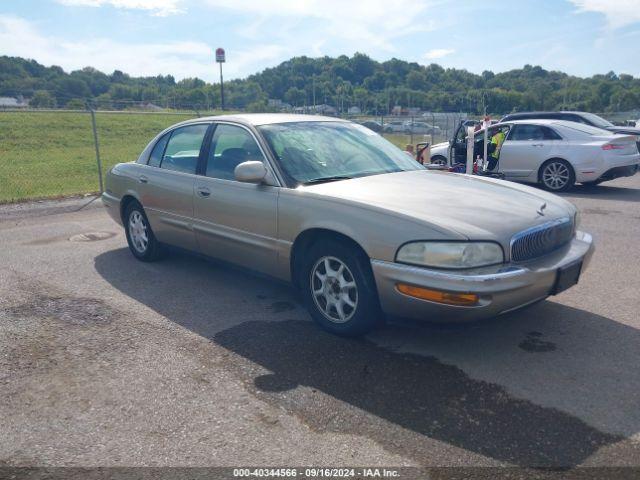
x=52, y=154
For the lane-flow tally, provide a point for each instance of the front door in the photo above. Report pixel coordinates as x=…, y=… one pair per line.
x=235, y=221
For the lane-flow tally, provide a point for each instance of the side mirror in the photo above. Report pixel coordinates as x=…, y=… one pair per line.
x=250, y=172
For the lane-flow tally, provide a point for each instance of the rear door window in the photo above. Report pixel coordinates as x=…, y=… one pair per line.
x=550, y=134
x=183, y=149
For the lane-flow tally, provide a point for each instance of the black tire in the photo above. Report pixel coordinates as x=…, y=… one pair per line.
x=153, y=249
x=438, y=160
x=556, y=184
x=366, y=315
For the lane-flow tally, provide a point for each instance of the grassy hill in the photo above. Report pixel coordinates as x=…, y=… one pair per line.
x=51, y=154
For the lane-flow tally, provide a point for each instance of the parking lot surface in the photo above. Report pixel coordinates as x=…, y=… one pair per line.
x=108, y=361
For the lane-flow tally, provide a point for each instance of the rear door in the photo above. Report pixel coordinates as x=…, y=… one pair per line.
x=526, y=147
x=167, y=186
x=235, y=221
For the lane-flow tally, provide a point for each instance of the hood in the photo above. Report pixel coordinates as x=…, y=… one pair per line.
x=475, y=207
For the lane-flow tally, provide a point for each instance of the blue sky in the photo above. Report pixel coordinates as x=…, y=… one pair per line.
x=177, y=37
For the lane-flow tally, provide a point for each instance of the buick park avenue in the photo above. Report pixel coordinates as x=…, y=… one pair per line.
x=356, y=225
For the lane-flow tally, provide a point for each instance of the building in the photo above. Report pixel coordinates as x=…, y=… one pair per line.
x=11, y=102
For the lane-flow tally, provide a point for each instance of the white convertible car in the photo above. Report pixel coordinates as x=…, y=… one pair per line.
x=553, y=153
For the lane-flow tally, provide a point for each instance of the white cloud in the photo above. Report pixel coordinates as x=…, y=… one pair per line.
x=19, y=37
x=160, y=8
x=619, y=13
x=438, y=53
x=362, y=24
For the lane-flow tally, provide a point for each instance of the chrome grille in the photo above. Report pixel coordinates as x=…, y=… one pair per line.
x=540, y=240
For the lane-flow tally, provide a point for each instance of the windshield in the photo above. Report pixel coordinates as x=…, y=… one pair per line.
x=311, y=152
x=597, y=121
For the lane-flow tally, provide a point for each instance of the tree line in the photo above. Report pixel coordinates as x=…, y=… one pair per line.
x=343, y=82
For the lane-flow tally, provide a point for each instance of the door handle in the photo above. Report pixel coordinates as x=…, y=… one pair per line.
x=536, y=145
x=143, y=179
x=203, y=192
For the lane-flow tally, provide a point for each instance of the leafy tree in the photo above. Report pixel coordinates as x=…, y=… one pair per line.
x=76, y=104
x=375, y=87
x=42, y=99
x=295, y=96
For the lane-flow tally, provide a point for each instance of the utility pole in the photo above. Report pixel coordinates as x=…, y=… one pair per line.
x=314, y=92
x=220, y=58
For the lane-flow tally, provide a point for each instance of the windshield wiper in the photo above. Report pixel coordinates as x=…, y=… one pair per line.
x=333, y=178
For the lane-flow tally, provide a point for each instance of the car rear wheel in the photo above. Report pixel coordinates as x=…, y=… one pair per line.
x=339, y=290
x=557, y=175
x=142, y=242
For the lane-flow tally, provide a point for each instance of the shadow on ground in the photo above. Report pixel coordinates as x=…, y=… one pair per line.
x=604, y=192
x=402, y=401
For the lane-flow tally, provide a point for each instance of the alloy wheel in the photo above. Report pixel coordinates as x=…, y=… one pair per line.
x=138, y=231
x=556, y=175
x=334, y=289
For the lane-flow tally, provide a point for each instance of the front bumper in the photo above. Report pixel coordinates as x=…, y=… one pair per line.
x=501, y=288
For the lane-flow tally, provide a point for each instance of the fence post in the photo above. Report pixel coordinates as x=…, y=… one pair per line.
x=95, y=141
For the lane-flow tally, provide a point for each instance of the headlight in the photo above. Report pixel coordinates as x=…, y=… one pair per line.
x=451, y=254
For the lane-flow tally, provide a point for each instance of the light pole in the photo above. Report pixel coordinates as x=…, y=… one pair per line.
x=220, y=58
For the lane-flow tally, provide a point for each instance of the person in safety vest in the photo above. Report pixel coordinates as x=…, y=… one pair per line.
x=495, y=144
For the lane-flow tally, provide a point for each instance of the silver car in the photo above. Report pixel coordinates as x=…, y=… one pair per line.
x=358, y=226
x=553, y=153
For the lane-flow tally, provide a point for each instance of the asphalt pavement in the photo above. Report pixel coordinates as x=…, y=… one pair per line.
x=107, y=361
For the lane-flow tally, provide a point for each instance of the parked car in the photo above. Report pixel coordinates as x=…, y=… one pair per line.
x=553, y=153
x=418, y=127
x=581, y=117
x=372, y=125
x=354, y=223
x=394, y=126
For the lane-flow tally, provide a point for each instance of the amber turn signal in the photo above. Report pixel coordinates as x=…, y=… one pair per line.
x=448, y=298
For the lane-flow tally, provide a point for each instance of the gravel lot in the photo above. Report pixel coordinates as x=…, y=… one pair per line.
x=108, y=361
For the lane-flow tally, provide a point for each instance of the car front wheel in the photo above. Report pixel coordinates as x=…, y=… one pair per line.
x=339, y=289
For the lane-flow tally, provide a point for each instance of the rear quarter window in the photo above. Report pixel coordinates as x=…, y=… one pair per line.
x=158, y=150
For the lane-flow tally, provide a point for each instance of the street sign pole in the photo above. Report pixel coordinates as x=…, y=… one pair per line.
x=220, y=58
x=221, y=87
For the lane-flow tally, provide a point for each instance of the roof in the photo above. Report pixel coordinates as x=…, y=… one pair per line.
x=555, y=112
x=536, y=121
x=545, y=121
x=271, y=118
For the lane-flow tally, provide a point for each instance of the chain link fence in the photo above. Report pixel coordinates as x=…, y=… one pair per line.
x=48, y=154
x=403, y=130
x=57, y=153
